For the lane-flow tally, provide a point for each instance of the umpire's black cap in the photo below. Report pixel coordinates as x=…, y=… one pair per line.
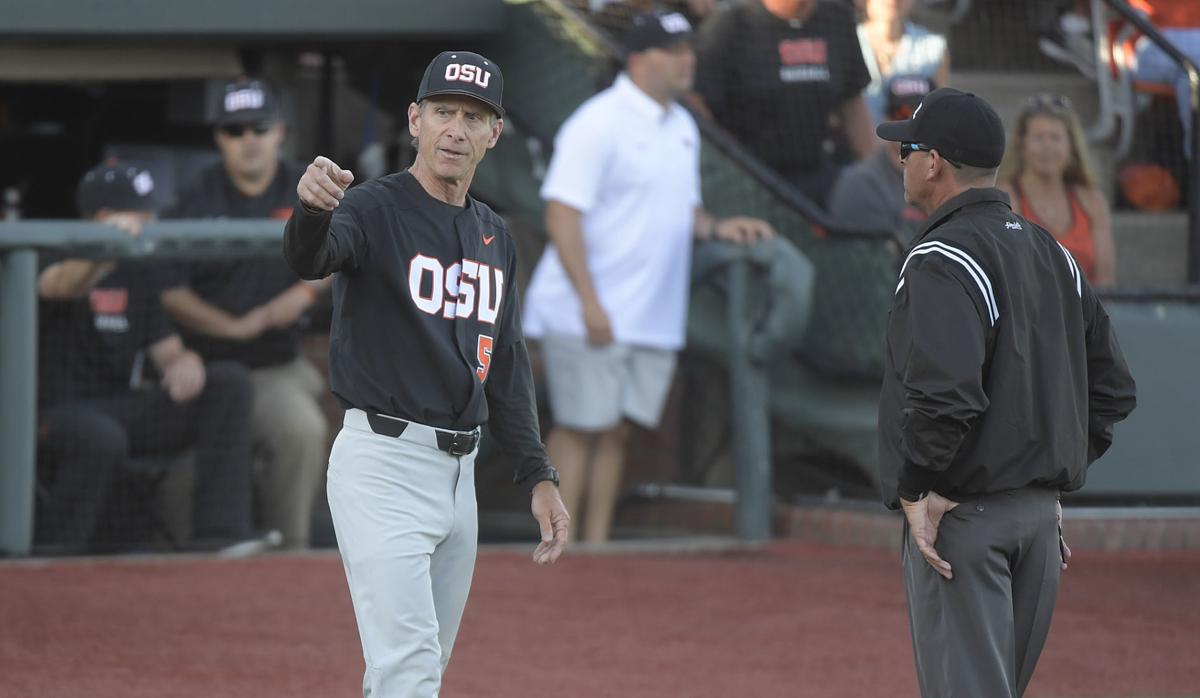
x=118, y=186
x=464, y=73
x=963, y=128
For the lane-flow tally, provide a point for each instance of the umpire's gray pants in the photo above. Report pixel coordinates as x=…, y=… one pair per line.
x=979, y=634
x=407, y=528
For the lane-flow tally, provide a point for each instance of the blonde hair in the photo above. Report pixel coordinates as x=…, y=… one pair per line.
x=1079, y=170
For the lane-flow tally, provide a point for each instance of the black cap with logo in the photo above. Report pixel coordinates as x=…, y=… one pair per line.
x=649, y=30
x=903, y=94
x=963, y=128
x=118, y=186
x=246, y=101
x=464, y=73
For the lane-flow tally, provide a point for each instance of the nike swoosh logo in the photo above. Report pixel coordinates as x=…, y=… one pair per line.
x=487, y=239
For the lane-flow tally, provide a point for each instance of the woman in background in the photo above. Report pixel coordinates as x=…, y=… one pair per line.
x=1047, y=174
x=892, y=44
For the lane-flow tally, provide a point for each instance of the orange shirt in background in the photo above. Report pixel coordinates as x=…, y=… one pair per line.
x=1170, y=14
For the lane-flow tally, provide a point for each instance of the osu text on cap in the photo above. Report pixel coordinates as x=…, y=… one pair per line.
x=244, y=98
x=468, y=73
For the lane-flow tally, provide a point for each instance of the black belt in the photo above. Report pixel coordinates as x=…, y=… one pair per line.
x=456, y=443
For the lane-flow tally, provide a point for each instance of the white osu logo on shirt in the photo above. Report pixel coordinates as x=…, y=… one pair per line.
x=468, y=73
x=457, y=291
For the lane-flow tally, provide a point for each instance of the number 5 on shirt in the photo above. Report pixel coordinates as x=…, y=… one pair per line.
x=483, y=352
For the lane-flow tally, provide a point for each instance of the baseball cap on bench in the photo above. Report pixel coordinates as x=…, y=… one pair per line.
x=464, y=73
x=963, y=128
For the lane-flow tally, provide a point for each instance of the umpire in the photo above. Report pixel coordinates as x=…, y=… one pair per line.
x=1003, y=382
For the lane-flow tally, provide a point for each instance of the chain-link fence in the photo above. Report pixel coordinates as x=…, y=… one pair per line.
x=783, y=104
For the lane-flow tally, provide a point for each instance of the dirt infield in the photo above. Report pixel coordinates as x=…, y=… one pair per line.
x=788, y=620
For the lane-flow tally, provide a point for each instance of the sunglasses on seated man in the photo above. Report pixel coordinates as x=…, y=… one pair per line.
x=238, y=130
x=907, y=149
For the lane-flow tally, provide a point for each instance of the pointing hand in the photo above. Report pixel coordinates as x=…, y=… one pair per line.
x=323, y=184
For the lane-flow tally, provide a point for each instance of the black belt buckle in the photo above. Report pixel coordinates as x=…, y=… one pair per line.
x=462, y=443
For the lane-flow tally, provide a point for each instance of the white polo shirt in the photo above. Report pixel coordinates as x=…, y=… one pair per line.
x=633, y=169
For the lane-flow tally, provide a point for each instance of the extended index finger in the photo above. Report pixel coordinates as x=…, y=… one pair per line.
x=342, y=178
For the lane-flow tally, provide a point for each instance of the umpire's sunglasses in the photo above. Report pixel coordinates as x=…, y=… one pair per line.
x=907, y=149
x=238, y=130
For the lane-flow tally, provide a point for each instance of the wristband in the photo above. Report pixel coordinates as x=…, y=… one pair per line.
x=310, y=210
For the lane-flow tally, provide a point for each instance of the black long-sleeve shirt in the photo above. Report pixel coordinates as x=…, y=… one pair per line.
x=1002, y=368
x=426, y=316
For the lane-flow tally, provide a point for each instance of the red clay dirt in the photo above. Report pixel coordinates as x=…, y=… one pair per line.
x=792, y=619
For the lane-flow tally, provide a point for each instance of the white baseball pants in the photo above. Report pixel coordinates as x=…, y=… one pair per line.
x=407, y=527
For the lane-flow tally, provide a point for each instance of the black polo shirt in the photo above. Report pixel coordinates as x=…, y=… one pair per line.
x=90, y=347
x=773, y=83
x=240, y=284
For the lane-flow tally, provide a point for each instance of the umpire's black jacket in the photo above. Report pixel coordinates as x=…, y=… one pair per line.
x=1002, y=369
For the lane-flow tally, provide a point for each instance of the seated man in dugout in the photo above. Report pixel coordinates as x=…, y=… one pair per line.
x=100, y=322
x=252, y=310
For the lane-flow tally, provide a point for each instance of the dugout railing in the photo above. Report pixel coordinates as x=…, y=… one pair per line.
x=747, y=315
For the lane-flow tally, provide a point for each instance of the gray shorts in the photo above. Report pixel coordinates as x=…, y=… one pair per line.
x=592, y=388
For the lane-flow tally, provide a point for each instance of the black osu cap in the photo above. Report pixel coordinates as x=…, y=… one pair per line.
x=118, y=186
x=960, y=126
x=649, y=30
x=245, y=101
x=464, y=73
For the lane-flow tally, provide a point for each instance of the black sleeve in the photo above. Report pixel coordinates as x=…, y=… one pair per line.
x=512, y=401
x=1111, y=390
x=945, y=348
x=512, y=409
x=158, y=324
x=318, y=244
x=148, y=280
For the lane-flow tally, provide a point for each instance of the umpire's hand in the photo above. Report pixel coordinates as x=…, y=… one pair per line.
x=553, y=519
x=323, y=184
x=924, y=516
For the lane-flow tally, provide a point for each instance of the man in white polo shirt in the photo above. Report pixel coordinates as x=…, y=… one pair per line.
x=609, y=297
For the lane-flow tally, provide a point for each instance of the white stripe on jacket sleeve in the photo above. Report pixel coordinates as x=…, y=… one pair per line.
x=967, y=262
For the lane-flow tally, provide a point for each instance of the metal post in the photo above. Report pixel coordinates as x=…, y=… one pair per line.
x=751, y=425
x=1193, y=193
x=18, y=398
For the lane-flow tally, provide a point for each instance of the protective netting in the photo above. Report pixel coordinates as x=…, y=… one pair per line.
x=564, y=58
